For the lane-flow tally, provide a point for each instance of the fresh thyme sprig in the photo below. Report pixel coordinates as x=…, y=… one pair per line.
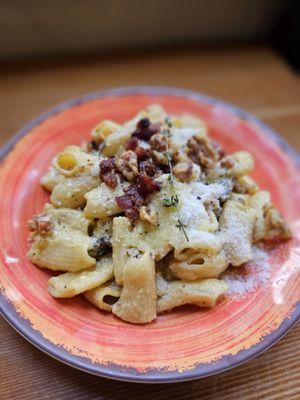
x=166, y=132
x=173, y=201
x=168, y=122
x=182, y=227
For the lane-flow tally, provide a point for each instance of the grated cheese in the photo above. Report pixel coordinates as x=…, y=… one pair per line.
x=248, y=277
x=192, y=198
x=95, y=170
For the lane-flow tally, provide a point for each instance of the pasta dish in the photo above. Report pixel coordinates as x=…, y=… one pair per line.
x=147, y=216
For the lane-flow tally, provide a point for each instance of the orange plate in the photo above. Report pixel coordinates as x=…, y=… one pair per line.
x=188, y=342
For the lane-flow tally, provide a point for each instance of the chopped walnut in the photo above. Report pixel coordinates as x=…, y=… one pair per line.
x=203, y=151
x=149, y=215
x=40, y=224
x=127, y=164
x=183, y=170
x=159, y=158
x=275, y=226
x=159, y=142
x=227, y=162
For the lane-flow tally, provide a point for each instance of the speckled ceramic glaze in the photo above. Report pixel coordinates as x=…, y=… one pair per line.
x=188, y=342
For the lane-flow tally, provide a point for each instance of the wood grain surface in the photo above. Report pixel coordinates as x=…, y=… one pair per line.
x=252, y=77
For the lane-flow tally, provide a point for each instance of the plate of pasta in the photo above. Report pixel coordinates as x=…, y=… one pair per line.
x=149, y=234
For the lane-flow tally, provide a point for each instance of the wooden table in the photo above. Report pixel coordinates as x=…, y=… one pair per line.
x=252, y=77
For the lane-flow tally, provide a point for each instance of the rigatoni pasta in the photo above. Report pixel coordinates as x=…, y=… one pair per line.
x=147, y=215
x=71, y=284
x=137, y=303
x=104, y=296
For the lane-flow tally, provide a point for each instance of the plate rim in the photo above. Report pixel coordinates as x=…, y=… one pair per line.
x=23, y=327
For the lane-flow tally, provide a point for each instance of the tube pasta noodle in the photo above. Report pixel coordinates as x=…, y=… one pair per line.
x=103, y=130
x=64, y=251
x=147, y=215
x=104, y=296
x=115, y=141
x=101, y=201
x=205, y=243
x=236, y=227
x=65, y=248
x=209, y=266
x=72, y=161
x=204, y=293
x=71, y=284
x=137, y=303
x=51, y=179
x=71, y=192
x=243, y=164
x=71, y=177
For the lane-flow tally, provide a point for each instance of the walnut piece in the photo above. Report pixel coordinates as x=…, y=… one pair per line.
x=159, y=142
x=40, y=225
x=127, y=164
x=183, y=170
x=203, y=151
x=149, y=215
x=275, y=226
x=159, y=157
x=227, y=162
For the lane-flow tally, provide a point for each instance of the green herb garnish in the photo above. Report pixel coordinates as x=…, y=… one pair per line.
x=171, y=202
x=182, y=227
x=168, y=122
x=168, y=156
x=166, y=133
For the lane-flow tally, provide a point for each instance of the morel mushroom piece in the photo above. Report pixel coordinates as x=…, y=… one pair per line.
x=101, y=247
